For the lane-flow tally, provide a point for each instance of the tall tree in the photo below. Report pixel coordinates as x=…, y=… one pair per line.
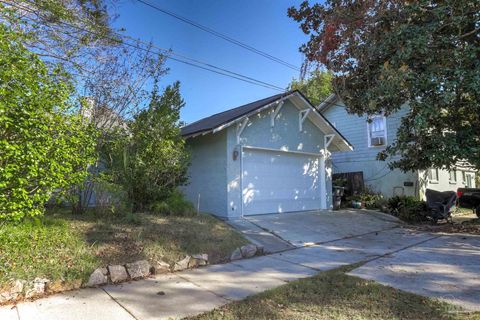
x=316, y=87
x=148, y=156
x=387, y=53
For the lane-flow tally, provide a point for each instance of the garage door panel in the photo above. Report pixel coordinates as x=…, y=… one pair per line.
x=280, y=182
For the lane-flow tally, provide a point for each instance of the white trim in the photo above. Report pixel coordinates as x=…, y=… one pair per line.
x=323, y=184
x=241, y=126
x=330, y=139
x=385, y=129
x=225, y=125
x=275, y=113
x=285, y=151
x=241, y=182
x=302, y=115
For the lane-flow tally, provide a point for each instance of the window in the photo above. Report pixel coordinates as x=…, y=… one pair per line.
x=452, y=176
x=469, y=183
x=464, y=177
x=433, y=175
x=377, y=131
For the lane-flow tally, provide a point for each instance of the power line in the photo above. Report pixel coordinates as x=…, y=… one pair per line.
x=221, y=35
x=165, y=52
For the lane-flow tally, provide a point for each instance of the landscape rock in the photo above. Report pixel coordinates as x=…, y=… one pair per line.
x=236, y=255
x=117, y=273
x=248, y=250
x=97, y=278
x=198, y=260
x=139, y=269
x=182, y=264
x=56, y=286
x=260, y=250
x=161, y=267
x=13, y=292
x=37, y=287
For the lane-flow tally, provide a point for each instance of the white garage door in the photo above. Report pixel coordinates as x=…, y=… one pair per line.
x=276, y=181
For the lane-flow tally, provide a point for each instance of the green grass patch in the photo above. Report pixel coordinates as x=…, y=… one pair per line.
x=336, y=295
x=62, y=246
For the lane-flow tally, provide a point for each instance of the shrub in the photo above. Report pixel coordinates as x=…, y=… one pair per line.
x=368, y=198
x=407, y=208
x=175, y=205
x=110, y=198
x=44, y=146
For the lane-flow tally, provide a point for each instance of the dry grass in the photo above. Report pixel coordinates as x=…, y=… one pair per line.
x=335, y=295
x=67, y=247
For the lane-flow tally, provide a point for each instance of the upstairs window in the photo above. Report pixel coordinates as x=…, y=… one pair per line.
x=433, y=175
x=377, y=131
x=452, y=176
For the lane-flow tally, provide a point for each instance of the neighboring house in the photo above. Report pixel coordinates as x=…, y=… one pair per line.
x=369, y=138
x=268, y=156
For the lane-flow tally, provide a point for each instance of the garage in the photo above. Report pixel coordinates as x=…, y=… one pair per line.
x=269, y=156
x=278, y=181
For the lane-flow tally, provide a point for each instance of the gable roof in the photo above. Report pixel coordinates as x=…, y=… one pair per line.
x=218, y=119
x=221, y=120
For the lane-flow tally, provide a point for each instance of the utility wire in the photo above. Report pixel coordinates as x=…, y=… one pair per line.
x=221, y=35
x=182, y=59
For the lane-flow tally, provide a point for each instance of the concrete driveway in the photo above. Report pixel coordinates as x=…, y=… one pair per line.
x=443, y=266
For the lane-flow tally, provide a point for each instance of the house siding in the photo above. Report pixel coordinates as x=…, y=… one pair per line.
x=208, y=173
x=285, y=135
x=376, y=174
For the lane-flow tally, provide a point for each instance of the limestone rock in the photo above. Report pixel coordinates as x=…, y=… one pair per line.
x=161, y=267
x=37, y=287
x=138, y=269
x=198, y=260
x=260, y=250
x=248, y=250
x=182, y=264
x=236, y=255
x=97, y=278
x=15, y=290
x=117, y=273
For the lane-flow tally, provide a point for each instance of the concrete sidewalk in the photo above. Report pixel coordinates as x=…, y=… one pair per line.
x=200, y=290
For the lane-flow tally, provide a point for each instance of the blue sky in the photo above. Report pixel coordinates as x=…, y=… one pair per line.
x=261, y=24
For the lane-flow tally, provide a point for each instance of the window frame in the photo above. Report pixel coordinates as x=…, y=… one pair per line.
x=454, y=171
x=369, y=138
x=430, y=175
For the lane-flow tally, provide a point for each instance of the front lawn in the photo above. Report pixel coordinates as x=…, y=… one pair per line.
x=335, y=295
x=68, y=247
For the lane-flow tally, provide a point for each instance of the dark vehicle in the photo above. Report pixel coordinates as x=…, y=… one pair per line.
x=440, y=204
x=469, y=198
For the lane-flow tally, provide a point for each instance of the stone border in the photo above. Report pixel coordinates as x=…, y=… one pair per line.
x=112, y=274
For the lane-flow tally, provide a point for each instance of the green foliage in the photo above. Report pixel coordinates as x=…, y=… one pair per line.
x=44, y=146
x=408, y=208
x=149, y=158
x=387, y=53
x=316, y=88
x=110, y=198
x=43, y=247
x=175, y=205
x=368, y=198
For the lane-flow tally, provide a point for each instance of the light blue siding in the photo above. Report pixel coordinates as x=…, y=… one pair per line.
x=376, y=173
x=215, y=174
x=285, y=135
x=208, y=173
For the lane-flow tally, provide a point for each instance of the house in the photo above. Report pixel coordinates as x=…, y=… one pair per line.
x=268, y=156
x=369, y=138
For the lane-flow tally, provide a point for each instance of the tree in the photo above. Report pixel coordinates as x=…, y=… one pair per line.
x=316, y=88
x=44, y=146
x=149, y=157
x=387, y=53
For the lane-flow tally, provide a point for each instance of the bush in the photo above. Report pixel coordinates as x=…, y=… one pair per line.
x=110, y=198
x=368, y=198
x=44, y=146
x=407, y=208
x=175, y=205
